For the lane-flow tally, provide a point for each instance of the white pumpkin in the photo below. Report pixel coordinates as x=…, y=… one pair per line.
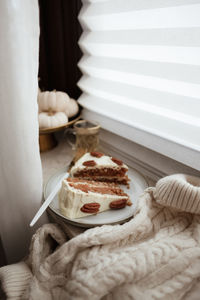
x=53, y=101
x=72, y=108
x=52, y=119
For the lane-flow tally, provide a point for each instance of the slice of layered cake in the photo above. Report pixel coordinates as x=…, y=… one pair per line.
x=99, y=167
x=79, y=197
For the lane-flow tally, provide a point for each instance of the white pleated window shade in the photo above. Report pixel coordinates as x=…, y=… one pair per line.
x=141, y=69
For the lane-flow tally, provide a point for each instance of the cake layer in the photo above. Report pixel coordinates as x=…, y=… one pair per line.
x=79, y=198
x=115, y=180
x=86, y=187
x=97, y=183
x=101, y=172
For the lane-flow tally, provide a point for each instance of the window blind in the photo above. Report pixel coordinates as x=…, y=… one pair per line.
x=141, y=67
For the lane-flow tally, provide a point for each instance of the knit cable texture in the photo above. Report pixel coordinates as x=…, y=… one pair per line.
x=179, y=191
x=156, y=255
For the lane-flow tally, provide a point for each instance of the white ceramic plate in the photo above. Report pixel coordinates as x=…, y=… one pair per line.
x=137, y=186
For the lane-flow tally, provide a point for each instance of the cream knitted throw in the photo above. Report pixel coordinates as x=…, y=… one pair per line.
x=156, y=255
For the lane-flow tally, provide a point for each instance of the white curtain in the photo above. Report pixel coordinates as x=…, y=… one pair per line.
x=20, y=165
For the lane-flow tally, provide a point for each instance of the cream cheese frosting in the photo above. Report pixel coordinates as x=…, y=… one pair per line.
x=101, y=162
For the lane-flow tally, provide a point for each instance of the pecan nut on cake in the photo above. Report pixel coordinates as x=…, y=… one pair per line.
x=92, y=186
x=99, y=167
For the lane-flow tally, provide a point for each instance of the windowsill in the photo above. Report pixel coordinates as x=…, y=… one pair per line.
x=149, y=163
x=57, y=158
x=184, y=158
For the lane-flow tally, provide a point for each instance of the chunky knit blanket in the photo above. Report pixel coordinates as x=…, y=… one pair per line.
x=156, y=255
